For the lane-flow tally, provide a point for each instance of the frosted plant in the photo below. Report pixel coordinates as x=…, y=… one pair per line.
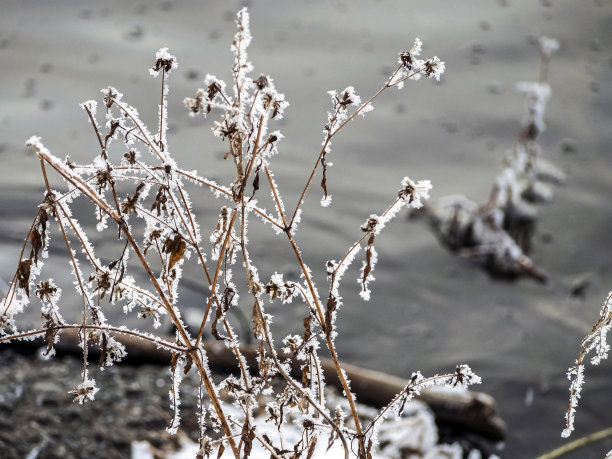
x=499, y=232
x=596, y=342
x=141, y=198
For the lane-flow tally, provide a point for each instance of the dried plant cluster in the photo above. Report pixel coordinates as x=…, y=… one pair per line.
x=499, y=233
x=157, y=201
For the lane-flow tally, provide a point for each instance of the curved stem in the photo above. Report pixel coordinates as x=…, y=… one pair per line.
x=578, y=443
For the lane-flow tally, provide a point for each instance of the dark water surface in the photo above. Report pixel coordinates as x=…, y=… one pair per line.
x=429, y=311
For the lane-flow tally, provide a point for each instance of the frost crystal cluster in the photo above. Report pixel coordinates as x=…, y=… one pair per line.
x=141, y=199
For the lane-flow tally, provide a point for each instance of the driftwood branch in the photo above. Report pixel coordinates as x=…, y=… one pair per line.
x=465, y=410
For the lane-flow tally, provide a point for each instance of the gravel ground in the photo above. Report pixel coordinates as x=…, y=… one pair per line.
x=38, y=420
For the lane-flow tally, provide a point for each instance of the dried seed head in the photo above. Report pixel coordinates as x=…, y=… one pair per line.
x=261, y=82
x=434, y=67
x=163, y=61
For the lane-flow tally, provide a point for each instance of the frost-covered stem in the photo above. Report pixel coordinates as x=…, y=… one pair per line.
x=210, y=389
x=162, y=103
x=192, y=237
x=251, y=107
x=89, y=255
x=239, y=357
x=330, y=343
x=104, y=155
x=279, y=207
x=83, y=328
x=151, y=215
x=213, y=283
x=409, y=391
x=95, y=128
x=347, y=254
x=193, y=228
x=309, y=181
x=408, y=77
x=235, y=348
x=136, y=122
x=359, y=110
x=171, y=347
x=306, y=299
x=213, y=286
x=361, y=239
x=332, y=134
x=10, y=294
x=81, y=185
x=298, y=388
x=315, y=362
x=254, y=155
x=212, y=186
x=210, y=283
x=84, y=188
x=292, y=383
x=321, y=317
x=267, y=337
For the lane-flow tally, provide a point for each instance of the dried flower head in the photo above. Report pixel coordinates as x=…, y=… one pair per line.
x=163, y=61
x=84, y=391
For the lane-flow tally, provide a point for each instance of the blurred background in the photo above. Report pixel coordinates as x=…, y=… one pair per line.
x=429, y=310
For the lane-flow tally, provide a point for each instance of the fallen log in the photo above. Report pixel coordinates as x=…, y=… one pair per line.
x=464, y=410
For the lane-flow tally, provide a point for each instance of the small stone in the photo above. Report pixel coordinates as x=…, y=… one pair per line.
x=46, y=104
x=478, y=48
x=166, y=6
x=214, y=34
x=85, y=14
x=568, y=146
x=547, y=237
x=595, y=44
x=135, y=33
x=192, y=74
x=494, y=88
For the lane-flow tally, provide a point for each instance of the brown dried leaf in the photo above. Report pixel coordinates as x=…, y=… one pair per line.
x=23, y=275
x=258, y=322
x=174, y=359
x=188, y=364
x=332, y=304
x=324, y=177
x=176, y=248
x=311, y=449
x=37, y=242
x=247, y=436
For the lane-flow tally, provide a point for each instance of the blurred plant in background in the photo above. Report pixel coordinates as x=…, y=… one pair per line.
x=499, y=233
